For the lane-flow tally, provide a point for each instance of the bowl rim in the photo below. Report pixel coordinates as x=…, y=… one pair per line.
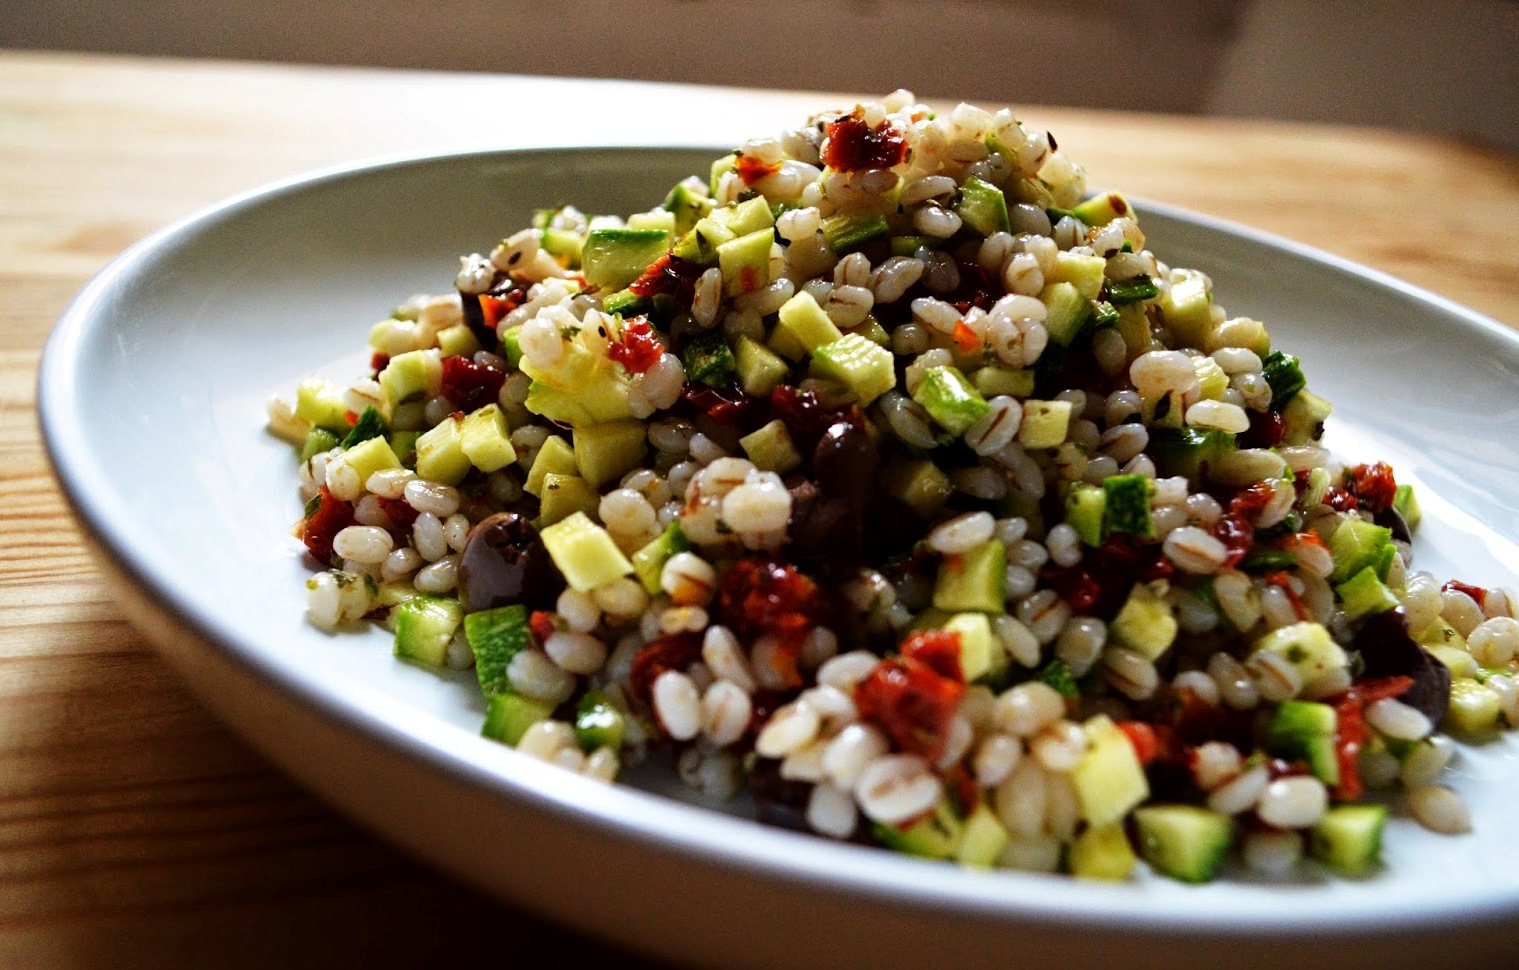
x=619, y=812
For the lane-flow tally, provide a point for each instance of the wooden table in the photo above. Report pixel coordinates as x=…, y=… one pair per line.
x=134, y=829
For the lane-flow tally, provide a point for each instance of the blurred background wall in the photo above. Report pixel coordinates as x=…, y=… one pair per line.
x=1443, y=65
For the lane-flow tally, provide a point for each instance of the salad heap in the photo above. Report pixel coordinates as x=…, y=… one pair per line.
x=887, y=476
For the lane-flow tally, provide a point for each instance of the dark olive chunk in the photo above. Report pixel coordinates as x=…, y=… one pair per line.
x=504, y=562
x=1387, y=650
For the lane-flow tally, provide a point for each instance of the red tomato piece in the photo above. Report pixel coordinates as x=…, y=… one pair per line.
x=850, y=145
x=1374, y=486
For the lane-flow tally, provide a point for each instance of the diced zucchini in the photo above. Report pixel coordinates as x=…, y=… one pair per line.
x=1305, y=730
x=1307, y=646
x=1474, y=708
x=554, y=456
x=661, y=218
x=565, y=495
x=935, y=836
x=404, y=444
x=568, y=247
x=597, y=723
x=982, y=656
x=649, y=562
x=1184, y=841
x=511, y=344
x=1067, y=311
x=1303, y=418
x=606, y=452
x=1357, y=544
x=1109, y=779
x=801, y=328
x=1102, y=853
x=414, y=374
x=1284, y=375
x=1146, y=622
x=1045, y=424
x=317, y=441
x=759, y=370
x=993, y=380
x=369, y=425
x=1135, y=290
x=424, y=627
x=1441, y=634
x=1100, y=210
x=457, y=341
x=721, y=167
x=745, y=262
x=496, y=636
x=848, y=231
x=1406, y=503
x=1188, y=310
x=1348, y=838
x=440, y=453
x=1084, y=510
x=866, y=369
x=321, y=402
x=708, y=359
x=951, y=400
x=983, y=840
x=1212, y=382
x=368, y=457
x=1083, y=272
x=1127, y=508
x=770, y=448
x=743, y=218
x=688, y=206
x=583, y=388
x=1363, y=594
x=973, y=581
x=623, y=303
x=508, y=716
x=982, y=206
x=485, y=439
x=920, y=484
x=613, y=258
x=584, y=553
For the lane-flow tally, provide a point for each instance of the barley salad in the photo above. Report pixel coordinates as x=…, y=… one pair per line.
x=883, y=475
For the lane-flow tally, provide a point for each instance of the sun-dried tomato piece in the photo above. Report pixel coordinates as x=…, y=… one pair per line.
x=727, y=406
x=1341, y=500
x=667, y=653
x=760, y=596
x=468, y=385
x=378, y=361
x=1143, y=736
x=672, y=275
x=751, y=169
x=493, y=308
x=913, y=703
x=639, y=347
x=541, y=622
x=939, y=649
x=1475, y=592
x=399, y=511
x=850, y=145
x=332, y=515
x=1374, y=486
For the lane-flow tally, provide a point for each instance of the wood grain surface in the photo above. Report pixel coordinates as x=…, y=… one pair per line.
x=137, y=831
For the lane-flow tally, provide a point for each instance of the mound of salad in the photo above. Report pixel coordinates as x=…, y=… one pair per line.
x=884, y=474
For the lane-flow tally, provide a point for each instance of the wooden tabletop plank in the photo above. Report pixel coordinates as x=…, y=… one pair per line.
x=134, y=829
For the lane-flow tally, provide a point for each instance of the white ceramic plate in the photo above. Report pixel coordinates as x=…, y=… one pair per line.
x=152, y=396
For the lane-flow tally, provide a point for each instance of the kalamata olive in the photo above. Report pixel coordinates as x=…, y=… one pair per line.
x=504, y=562
x=1387, y=650
x=1391, y=518
x=844, y=463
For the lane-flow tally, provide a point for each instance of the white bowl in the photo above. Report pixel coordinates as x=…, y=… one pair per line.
x=151, y=397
